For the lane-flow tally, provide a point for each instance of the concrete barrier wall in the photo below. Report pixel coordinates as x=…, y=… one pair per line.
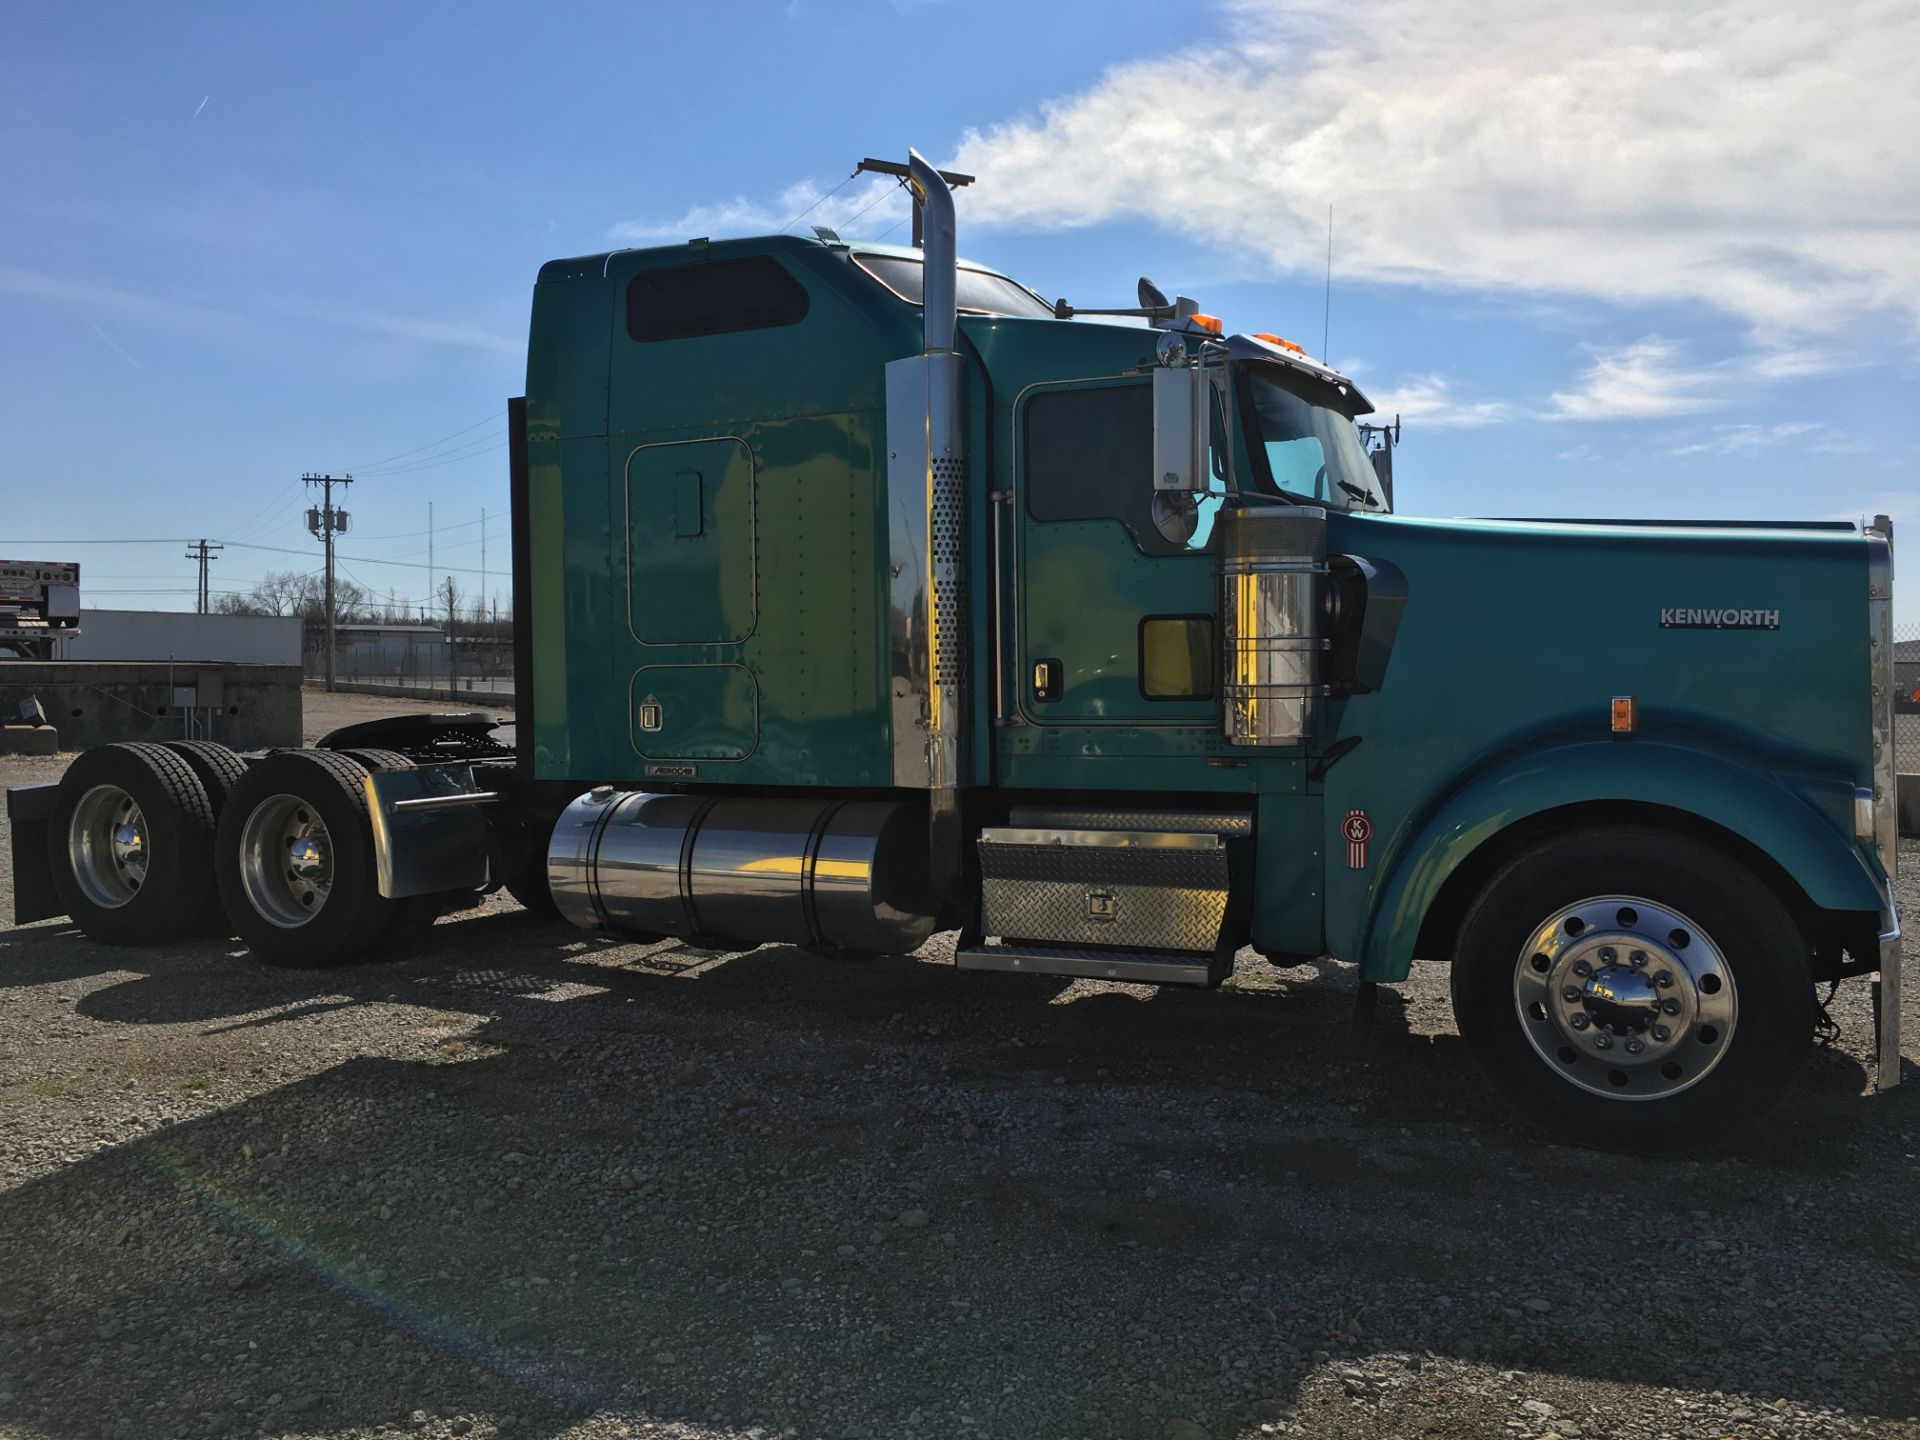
x=248, y=707
x=463, y=695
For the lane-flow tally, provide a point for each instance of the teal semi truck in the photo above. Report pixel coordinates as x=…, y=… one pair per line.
x=861, y=595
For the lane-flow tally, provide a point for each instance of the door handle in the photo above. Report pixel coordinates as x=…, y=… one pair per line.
x=1046, y=680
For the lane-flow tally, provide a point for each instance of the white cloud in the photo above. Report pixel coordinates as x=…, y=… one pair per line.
x=863, y=210
x=1746, y=439
x=1641, y=381
x=1756, y=157
x=1429, y=401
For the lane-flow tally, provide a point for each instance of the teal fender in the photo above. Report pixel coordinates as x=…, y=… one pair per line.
x=1803, y=822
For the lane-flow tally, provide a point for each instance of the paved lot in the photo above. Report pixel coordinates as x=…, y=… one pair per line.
x=525, y=1181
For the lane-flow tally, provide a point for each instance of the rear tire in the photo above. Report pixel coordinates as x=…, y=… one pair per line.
x=130, y=844
x=218, y=770
x=1634, y=990
x=378, y=760
x=295, y=861
x=216, y=767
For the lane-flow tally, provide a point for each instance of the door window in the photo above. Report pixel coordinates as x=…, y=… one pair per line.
x=1089, y=456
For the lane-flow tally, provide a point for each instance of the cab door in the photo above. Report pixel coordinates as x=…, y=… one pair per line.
x=1116, y=622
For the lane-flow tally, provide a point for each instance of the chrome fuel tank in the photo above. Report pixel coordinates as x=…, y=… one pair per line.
x=845, y=873
x=1273, y=575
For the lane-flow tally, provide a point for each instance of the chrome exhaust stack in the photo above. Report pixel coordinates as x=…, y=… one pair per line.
x=927, y=522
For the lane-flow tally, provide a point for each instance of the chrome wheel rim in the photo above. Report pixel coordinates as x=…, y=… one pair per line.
x=1625, y=998
x=286, y=861
x=107, y=846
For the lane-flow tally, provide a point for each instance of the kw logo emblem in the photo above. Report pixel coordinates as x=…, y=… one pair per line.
x=1358, y=830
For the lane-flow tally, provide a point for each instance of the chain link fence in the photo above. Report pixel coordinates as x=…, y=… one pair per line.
x=414, y=659
x=1906, y=699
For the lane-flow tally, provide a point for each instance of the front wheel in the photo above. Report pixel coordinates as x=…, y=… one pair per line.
x=1634, y=990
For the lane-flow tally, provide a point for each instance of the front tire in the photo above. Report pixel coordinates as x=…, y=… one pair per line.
x=294, y=861
x=1634, y=990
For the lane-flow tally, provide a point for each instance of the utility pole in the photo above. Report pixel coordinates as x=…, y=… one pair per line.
x=900, y=172
x=423, y=608
x=200, y=552
x=326, y=522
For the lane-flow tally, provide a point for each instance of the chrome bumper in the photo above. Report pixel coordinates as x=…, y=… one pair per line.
x=1886, y=999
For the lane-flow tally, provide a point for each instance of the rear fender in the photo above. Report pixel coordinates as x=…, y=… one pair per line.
x=1802, y=822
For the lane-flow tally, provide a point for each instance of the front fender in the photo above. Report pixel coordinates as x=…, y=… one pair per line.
x=1802, y=822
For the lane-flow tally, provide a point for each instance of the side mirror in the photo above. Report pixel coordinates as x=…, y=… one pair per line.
x=1383, y=472
x=1179, y=462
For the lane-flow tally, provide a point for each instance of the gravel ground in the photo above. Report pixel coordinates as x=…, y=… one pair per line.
x=524, y=1181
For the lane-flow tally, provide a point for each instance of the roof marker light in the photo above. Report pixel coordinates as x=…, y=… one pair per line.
x=1626, y=715
x=1283, y=344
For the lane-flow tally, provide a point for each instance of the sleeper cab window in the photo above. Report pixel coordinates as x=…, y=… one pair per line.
x=716, y=297
x=1176, y=657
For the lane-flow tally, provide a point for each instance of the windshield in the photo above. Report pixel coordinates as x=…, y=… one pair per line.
x=980, y=291
x=1308, y=449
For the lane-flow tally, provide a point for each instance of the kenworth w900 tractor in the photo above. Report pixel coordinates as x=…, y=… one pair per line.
x=860, y=596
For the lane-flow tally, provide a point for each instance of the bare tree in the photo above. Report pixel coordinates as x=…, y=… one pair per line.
x=288, y=592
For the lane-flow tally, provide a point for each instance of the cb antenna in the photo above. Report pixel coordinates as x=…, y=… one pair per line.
x=1326, y=315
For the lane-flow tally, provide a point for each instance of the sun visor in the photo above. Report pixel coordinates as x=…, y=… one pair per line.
x=1252, y=347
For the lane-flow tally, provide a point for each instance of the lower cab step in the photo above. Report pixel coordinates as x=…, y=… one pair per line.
x=1141, y=967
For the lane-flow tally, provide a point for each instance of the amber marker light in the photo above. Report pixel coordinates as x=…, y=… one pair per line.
x=1626, y=714
x=1208, y=323
x=1283, y=344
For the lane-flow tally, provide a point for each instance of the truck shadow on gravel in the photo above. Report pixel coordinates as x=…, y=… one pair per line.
x=882, y=1197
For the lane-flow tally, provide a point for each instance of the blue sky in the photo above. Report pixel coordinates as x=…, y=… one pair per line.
x=1617, y=261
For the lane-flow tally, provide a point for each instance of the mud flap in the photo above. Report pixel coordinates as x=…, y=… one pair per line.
x=29, y=812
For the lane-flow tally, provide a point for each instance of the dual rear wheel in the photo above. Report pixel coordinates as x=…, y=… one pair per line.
x=150, y=842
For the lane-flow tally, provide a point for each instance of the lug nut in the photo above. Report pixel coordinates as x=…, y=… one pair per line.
x=1638, y=958
x=1603, y=1041
x=1582, y=969
x=1661, y=1032
x=1664, y=979
x=1634, y=1047
x=1671, y=1006
x=1608, y=954
x=1570, y=994
x=1580, y=1022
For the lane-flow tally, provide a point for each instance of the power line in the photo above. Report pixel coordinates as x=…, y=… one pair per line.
x=409, y=534
x=252, y=545
x=266, y=524
x=418, y=448
x=817, y=204
x=449, y=459
x=247, y=525
x=357, y=559
x=162, y=540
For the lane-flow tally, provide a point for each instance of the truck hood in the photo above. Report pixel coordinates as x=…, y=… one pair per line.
x=1756, y=632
